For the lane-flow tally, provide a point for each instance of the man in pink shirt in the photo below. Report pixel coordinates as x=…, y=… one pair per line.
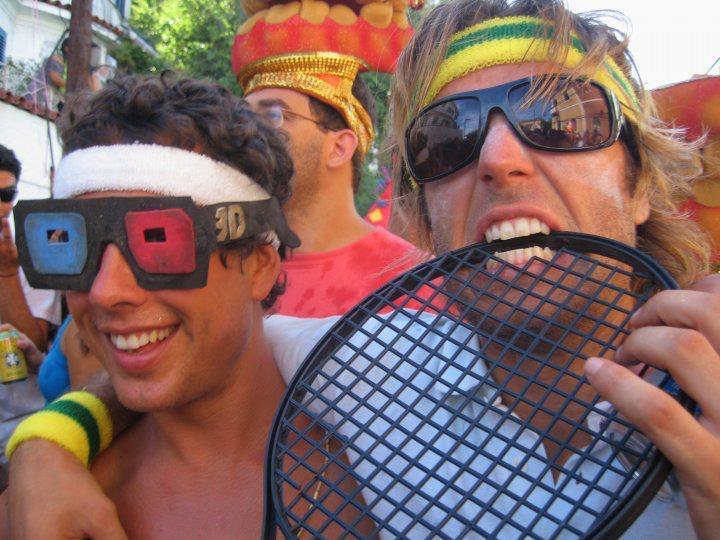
x=307, y=85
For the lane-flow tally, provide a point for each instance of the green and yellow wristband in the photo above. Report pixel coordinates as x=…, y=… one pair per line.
x=78, y=422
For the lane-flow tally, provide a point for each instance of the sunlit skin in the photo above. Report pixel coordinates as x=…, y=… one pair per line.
x=117, y=304
x=581, y=191
x=321, y=209
x=196, y=386
x=305, y=140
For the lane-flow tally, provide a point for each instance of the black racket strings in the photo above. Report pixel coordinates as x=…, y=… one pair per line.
x=447, y=291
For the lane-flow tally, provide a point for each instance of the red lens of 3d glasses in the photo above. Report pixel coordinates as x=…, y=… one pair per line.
x=162, y=241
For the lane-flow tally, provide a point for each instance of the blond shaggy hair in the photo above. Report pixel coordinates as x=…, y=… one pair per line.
x=663, y=165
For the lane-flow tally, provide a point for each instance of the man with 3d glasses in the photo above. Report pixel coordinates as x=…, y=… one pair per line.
x=167, y=235
x=481, y=119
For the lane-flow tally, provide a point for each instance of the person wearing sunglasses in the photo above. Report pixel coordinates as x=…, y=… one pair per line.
x=30, y=311
x=521, y=117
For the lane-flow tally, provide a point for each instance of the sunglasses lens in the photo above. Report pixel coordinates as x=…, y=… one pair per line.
x=162, y=241
x=443, y=137
x=578, y=116
x=57, y=242
x=8, y=194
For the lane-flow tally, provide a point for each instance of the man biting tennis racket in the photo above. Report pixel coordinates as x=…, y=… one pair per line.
x=546, y=129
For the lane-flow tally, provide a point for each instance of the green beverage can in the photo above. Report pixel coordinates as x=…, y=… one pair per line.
x=13, y=366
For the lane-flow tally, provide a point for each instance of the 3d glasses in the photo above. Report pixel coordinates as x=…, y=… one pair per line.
x=166, y=241
x=448, y=134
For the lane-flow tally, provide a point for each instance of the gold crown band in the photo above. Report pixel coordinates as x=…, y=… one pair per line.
x=306, y=73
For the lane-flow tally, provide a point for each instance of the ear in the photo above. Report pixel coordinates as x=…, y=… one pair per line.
x=341, y=147
x=641, y=209
x=263, y=267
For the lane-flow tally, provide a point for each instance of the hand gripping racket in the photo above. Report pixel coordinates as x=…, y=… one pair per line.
x=451, y=403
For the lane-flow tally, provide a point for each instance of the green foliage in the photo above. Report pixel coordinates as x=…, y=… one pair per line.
x=379, y=85
x=196, y=37
x=132, y=58
x=192, y=36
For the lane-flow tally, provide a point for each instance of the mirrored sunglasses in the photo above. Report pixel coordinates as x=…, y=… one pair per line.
x=448, y=135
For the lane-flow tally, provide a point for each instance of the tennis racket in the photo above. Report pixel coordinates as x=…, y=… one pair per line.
x=451, y=402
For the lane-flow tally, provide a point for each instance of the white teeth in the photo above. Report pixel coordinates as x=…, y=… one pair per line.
x=506, y=230
x=519, y=257
x=513, y=228
x=522, y=227
x=131, y=342
x=535, y=226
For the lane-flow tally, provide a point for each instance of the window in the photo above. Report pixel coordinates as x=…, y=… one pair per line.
x=3, y=42
x=120, y=4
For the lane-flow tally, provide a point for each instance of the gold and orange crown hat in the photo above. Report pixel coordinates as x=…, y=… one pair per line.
x=318, y=47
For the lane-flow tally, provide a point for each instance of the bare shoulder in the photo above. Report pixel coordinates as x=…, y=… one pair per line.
x=118, y=466
x=4, y=515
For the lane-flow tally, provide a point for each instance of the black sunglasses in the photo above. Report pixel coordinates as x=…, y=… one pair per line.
x=447, y=135
x=8, y=194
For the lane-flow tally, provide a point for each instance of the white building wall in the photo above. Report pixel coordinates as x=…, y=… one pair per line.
x=27, y=136
x=7, y=17
x=34, y=35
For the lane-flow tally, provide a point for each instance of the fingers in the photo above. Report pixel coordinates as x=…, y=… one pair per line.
x=5, y=233
x=8, y=251
x=105, y=524
x=693, y=450
x=686, y=354
x=708, y=284
x=694, y=309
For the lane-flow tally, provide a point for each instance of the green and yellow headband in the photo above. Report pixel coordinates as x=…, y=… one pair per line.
x=511, y=40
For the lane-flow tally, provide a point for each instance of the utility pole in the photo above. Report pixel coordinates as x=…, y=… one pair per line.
x=78, y=61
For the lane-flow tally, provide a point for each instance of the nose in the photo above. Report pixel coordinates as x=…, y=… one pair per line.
x=503, y=156
x=115, y=286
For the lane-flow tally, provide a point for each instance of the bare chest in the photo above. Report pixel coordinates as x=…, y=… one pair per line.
x=182, y=502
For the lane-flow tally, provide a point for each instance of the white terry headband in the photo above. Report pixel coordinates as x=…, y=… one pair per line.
x=164, y=170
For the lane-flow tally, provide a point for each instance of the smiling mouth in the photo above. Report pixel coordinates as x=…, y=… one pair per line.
x=135, y=341
x=516, y=228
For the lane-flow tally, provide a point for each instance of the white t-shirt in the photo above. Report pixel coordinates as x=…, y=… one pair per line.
x=44, y=304
x=292, y=339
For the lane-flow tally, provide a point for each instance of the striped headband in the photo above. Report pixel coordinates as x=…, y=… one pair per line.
x=511, y=40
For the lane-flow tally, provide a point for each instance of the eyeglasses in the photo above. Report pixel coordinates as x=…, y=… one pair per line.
x=8, y=194
x=275, y=115
x=166, y=241
x=448, y=135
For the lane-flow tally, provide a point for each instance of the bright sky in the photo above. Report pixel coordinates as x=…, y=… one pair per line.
x=668, y=44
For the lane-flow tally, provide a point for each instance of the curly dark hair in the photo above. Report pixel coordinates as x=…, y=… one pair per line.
x=9, y=162
x=332, y=120
x=199, y=116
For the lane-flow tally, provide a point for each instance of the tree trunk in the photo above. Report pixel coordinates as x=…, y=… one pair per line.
x=78, y=60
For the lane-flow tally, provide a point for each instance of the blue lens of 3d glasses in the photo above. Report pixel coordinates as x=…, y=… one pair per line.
x=57, y=242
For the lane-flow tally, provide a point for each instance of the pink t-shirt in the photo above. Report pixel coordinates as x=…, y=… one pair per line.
x=332, y=282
